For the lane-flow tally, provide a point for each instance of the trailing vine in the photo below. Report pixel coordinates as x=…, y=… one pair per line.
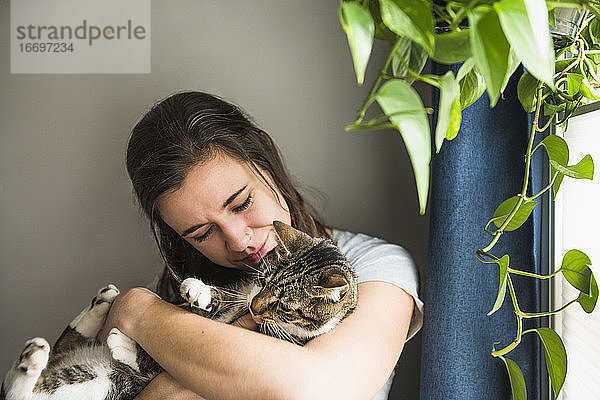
x=491, y=38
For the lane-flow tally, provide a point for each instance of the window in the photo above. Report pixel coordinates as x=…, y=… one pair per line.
x=577, y=226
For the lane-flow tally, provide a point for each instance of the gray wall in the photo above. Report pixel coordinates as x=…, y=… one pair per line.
x=68, y=222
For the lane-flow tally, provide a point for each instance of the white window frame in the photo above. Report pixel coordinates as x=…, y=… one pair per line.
x=559, y=247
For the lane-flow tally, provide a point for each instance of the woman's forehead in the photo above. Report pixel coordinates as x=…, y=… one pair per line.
x=219, y=175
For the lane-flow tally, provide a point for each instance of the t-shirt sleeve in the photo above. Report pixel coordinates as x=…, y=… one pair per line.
x=374, y=259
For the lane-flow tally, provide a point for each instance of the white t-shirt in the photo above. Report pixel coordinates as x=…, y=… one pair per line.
x=374, y=259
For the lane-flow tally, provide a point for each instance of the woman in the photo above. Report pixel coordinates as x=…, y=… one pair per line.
x=211, y=183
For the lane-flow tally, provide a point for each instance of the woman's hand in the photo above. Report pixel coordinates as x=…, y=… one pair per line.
x=126, y=310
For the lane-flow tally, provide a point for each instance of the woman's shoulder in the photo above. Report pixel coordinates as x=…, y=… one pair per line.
x=364, y=247
x=375, y=259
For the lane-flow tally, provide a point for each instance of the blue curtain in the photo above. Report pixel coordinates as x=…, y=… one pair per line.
x=471, y=176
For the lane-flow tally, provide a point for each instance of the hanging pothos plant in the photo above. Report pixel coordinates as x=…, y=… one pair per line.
x=491, y=39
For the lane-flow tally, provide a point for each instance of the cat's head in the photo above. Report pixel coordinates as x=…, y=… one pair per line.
x=306, y=287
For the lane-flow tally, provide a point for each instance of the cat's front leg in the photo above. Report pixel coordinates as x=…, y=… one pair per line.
x=88, y=323
x=197, y=294
x=21, y=378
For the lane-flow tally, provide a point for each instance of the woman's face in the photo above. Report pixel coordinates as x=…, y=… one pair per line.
x=225, y=210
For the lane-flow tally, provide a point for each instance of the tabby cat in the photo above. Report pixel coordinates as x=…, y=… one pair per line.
x=302, y=288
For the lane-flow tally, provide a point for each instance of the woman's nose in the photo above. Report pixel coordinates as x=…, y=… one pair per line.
x=237, y=238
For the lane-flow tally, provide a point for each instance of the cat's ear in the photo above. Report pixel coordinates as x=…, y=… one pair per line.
x=333, y=286
x=290, y=239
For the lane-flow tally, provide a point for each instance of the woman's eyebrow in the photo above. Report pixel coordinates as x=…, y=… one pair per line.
x=225, y=204
x=233, y=196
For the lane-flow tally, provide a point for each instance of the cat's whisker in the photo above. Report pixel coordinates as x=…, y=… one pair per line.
x=286, y=334
x=233, y=292
x=233, y=302
x=255, y=275
x=253, y=268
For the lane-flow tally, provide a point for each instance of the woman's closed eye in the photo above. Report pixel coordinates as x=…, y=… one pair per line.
x=204, y=236
x=245, y=205
x=241, y=208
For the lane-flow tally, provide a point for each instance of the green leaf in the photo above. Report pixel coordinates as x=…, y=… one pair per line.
x=413, y=54
x=503, y=263
x=557, y=149
x=452, y=47
x=381, y=31
x=517, y=382
x=449, y=95
x=513, y=63
x=595, y=57
x=588, y=91
x=471, y=82
x=526, y=91
x=584, y=169
x=525, y=23
x=577, y=83
x=551, y=18
x=593, y=29
x=455, y=120
x=558, y=152
x=397, y=96
x=360, y=30
x=576, y=270
x=410, y=18
x=465, y=68
x=573, y=83
x=556, y=357
x=560, y=65
x=490, y=49
x=504, y=210
x=588, y=301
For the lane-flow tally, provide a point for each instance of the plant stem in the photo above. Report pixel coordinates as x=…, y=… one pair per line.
x=460, y=15
x=376, y=123
x=550, y=120
x=532, y=275
x=545, y=314
x=425, y=78
x=534, y=129
x=546, y=188
x=517, y=340
x=366, y=127
x=370, y=97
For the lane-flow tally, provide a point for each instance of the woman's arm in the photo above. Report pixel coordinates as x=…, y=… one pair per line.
x=220, y=361
x=165, y=387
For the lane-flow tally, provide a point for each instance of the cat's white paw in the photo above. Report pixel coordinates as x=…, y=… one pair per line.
x=21, y=378
x=108, y=293
x=91, y=319
x=34, y=357
x=122, y=348
x=197, y=293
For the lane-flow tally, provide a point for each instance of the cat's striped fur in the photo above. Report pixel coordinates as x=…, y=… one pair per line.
x=302, y=289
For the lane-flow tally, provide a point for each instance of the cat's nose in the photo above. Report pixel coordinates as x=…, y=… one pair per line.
x=258, y=305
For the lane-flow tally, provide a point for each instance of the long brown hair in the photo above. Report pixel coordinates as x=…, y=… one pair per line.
x=180, y=132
